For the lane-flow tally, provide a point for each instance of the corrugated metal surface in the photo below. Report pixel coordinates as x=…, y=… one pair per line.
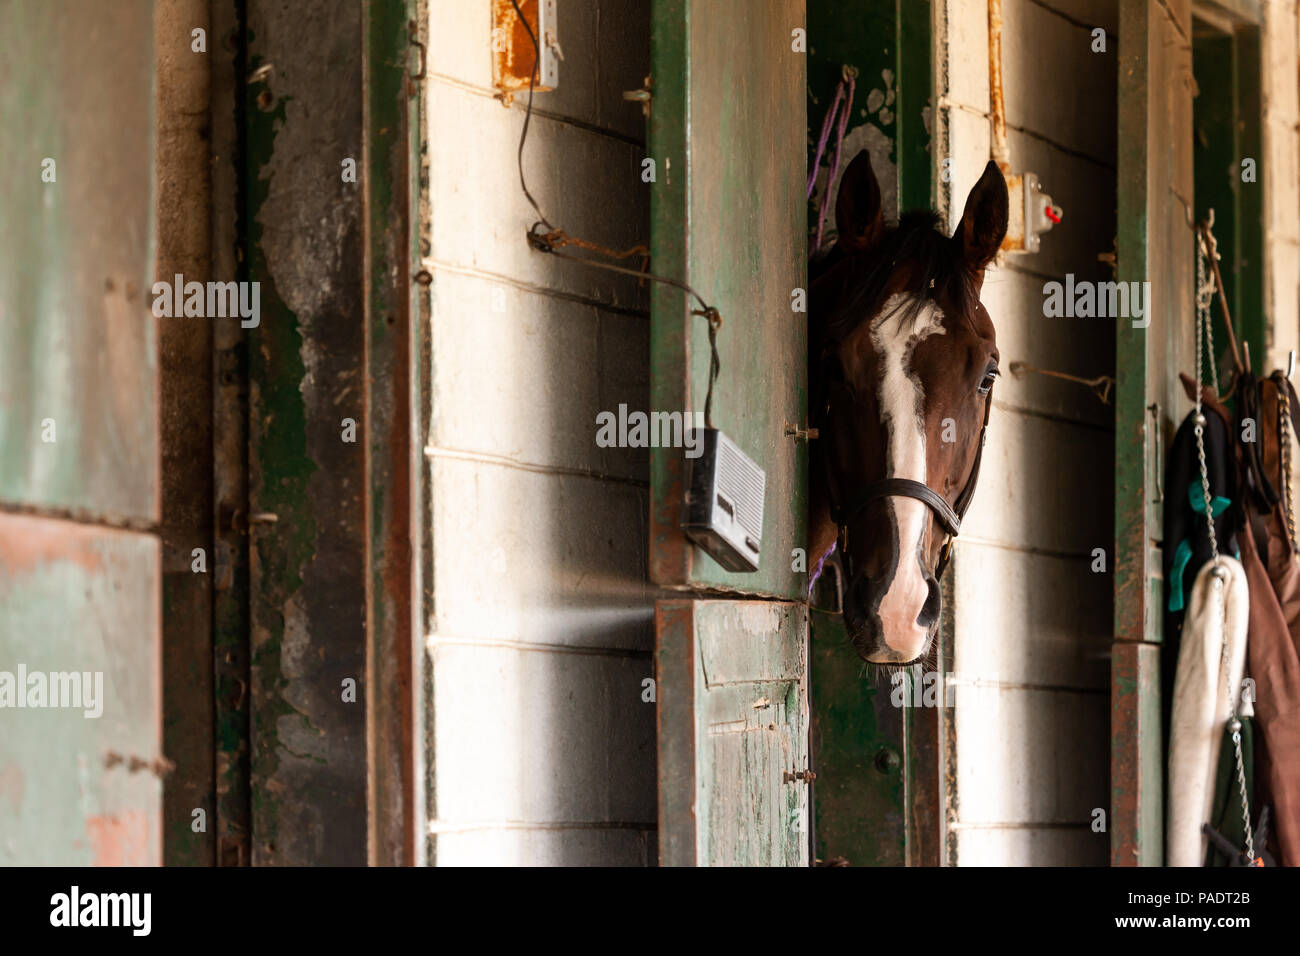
x=79, y=431
x=77, y=342
x=82, y=600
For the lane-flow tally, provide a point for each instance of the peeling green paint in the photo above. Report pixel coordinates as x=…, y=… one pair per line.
x=275, y=368
x=304, y=231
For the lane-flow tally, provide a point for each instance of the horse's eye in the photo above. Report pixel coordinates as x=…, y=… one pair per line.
x=986, y=385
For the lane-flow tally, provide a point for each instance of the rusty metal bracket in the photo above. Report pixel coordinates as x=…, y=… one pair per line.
x=235, y=519
x=413, y=78
x=1158, y=477
x=160, y=766
x=801, y=434
x=1101, y=385
x=642, y=96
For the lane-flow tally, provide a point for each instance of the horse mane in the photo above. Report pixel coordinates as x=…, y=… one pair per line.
x=849, y=289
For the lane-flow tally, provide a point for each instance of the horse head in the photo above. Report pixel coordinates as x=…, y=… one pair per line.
x=902, y=360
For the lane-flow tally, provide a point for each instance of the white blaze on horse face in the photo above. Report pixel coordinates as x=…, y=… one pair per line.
x=902, y=408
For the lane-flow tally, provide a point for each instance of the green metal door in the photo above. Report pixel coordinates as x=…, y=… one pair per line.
x=80, y=563
x=1155, y=244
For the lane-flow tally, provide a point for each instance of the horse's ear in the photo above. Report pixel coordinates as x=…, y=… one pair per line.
x=983, y=225
x=858, y=219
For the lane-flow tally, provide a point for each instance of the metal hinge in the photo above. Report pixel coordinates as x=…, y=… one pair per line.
x=642, y=96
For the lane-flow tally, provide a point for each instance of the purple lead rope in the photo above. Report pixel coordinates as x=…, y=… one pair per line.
x=821, y=142
x=846, y=85
x=821, y=563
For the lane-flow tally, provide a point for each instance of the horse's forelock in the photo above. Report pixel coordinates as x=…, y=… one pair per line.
x=853, y=289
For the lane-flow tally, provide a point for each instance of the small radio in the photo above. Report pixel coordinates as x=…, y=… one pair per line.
x=724, y=502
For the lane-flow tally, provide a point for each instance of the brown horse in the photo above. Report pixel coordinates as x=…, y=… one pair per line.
x=902, y=360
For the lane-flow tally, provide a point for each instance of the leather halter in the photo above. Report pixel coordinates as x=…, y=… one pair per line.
x=949, y=516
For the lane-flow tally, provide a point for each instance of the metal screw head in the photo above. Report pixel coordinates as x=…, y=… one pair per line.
x=887, y=760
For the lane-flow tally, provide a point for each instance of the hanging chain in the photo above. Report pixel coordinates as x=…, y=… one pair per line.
x=1284, y=436
x=1204, y=332
x=1205, y=346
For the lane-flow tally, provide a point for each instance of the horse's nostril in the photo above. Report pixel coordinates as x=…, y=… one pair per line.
x=933, y=605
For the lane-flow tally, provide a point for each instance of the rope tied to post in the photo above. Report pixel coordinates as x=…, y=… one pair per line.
x=545, y=236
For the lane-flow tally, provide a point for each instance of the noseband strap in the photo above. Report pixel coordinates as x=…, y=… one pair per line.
x=901, y=488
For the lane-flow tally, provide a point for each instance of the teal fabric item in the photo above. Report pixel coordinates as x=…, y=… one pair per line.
x=1196, y=495
x=1183, y=554
x=1181, y=557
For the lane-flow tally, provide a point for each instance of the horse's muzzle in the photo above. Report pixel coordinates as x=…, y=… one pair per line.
x=901, y=634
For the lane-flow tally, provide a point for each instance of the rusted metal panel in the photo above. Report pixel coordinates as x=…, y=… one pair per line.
x=307, y=483
x=1136, y=761
x=727, y=135
x=185, y=344
x=79, y=439
x=514, y=58
x=1154, y=244
x=79, y=784
x=78, y=372
x=232, y=825
x=393, y=652
x=733, y=733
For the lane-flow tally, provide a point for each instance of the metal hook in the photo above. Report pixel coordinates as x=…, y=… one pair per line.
x=412, y=78
x=1290, y=364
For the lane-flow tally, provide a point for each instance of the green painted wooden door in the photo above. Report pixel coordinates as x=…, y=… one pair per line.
x=80, y=564
x=733, y=733
x=727, y=134
x=1155, y=244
